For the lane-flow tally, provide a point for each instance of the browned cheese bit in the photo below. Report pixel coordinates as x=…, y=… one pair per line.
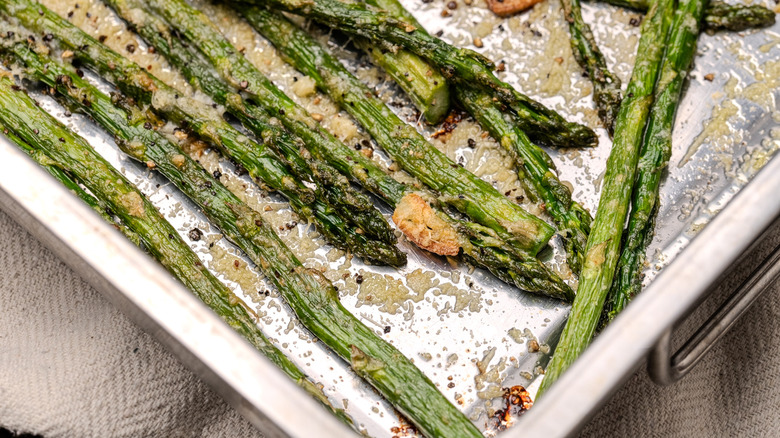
x=420, y=224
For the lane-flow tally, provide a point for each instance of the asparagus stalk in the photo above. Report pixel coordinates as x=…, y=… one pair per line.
x=333, y=187
x=260, y=161
x=461, y=66
x=459, y=188
x=479, y=244
x=656, y=150
x=420, y=80
x=310, y=295
x=424, y=85
x=67, y=151
x=606, y=85
x=66, y=180
x=535, y=168
x=604, y=240
x=719, y=15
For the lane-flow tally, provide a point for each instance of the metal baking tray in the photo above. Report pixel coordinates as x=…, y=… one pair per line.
x=467, y=331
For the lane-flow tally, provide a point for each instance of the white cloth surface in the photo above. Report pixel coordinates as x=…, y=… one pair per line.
x=71, y=365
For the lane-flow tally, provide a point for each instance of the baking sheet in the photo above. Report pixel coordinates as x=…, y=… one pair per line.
x=471, y=333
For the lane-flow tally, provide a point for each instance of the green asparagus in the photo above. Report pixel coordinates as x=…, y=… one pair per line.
x=310, y=295
x=535, y=168
x=69, y=152
x=719, y=15
x=461, y=66
x=604, y=241
x=332, y=186
x=425, y=85
x=66, y=180
x=260, y=161
x=655, y=154
x=480, y=245
x=459, y=188
x=606, y=85
x=402, y=142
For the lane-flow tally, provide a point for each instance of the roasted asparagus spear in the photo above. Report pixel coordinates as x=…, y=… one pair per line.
x=479, y=244
x=428, y=90
x=71, y=184
x=424, y=84
x=20, y=115
x=460, y=66
x=719, y=15
x=606, y=85
x=458, y=187
x=259, y=160
x=656, y=150
x=603, y=247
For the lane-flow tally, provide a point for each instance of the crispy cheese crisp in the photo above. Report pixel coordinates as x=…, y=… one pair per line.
x=419, y=223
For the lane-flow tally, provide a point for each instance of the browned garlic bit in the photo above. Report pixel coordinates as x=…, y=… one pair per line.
x=419, y=223
x=505, y=8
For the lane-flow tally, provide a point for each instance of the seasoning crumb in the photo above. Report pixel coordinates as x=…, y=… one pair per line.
x=478, y=42
x=195, y=234
x=709, y=77
x=178, y=160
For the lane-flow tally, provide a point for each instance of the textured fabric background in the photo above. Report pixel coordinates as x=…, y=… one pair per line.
x=71, y=365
